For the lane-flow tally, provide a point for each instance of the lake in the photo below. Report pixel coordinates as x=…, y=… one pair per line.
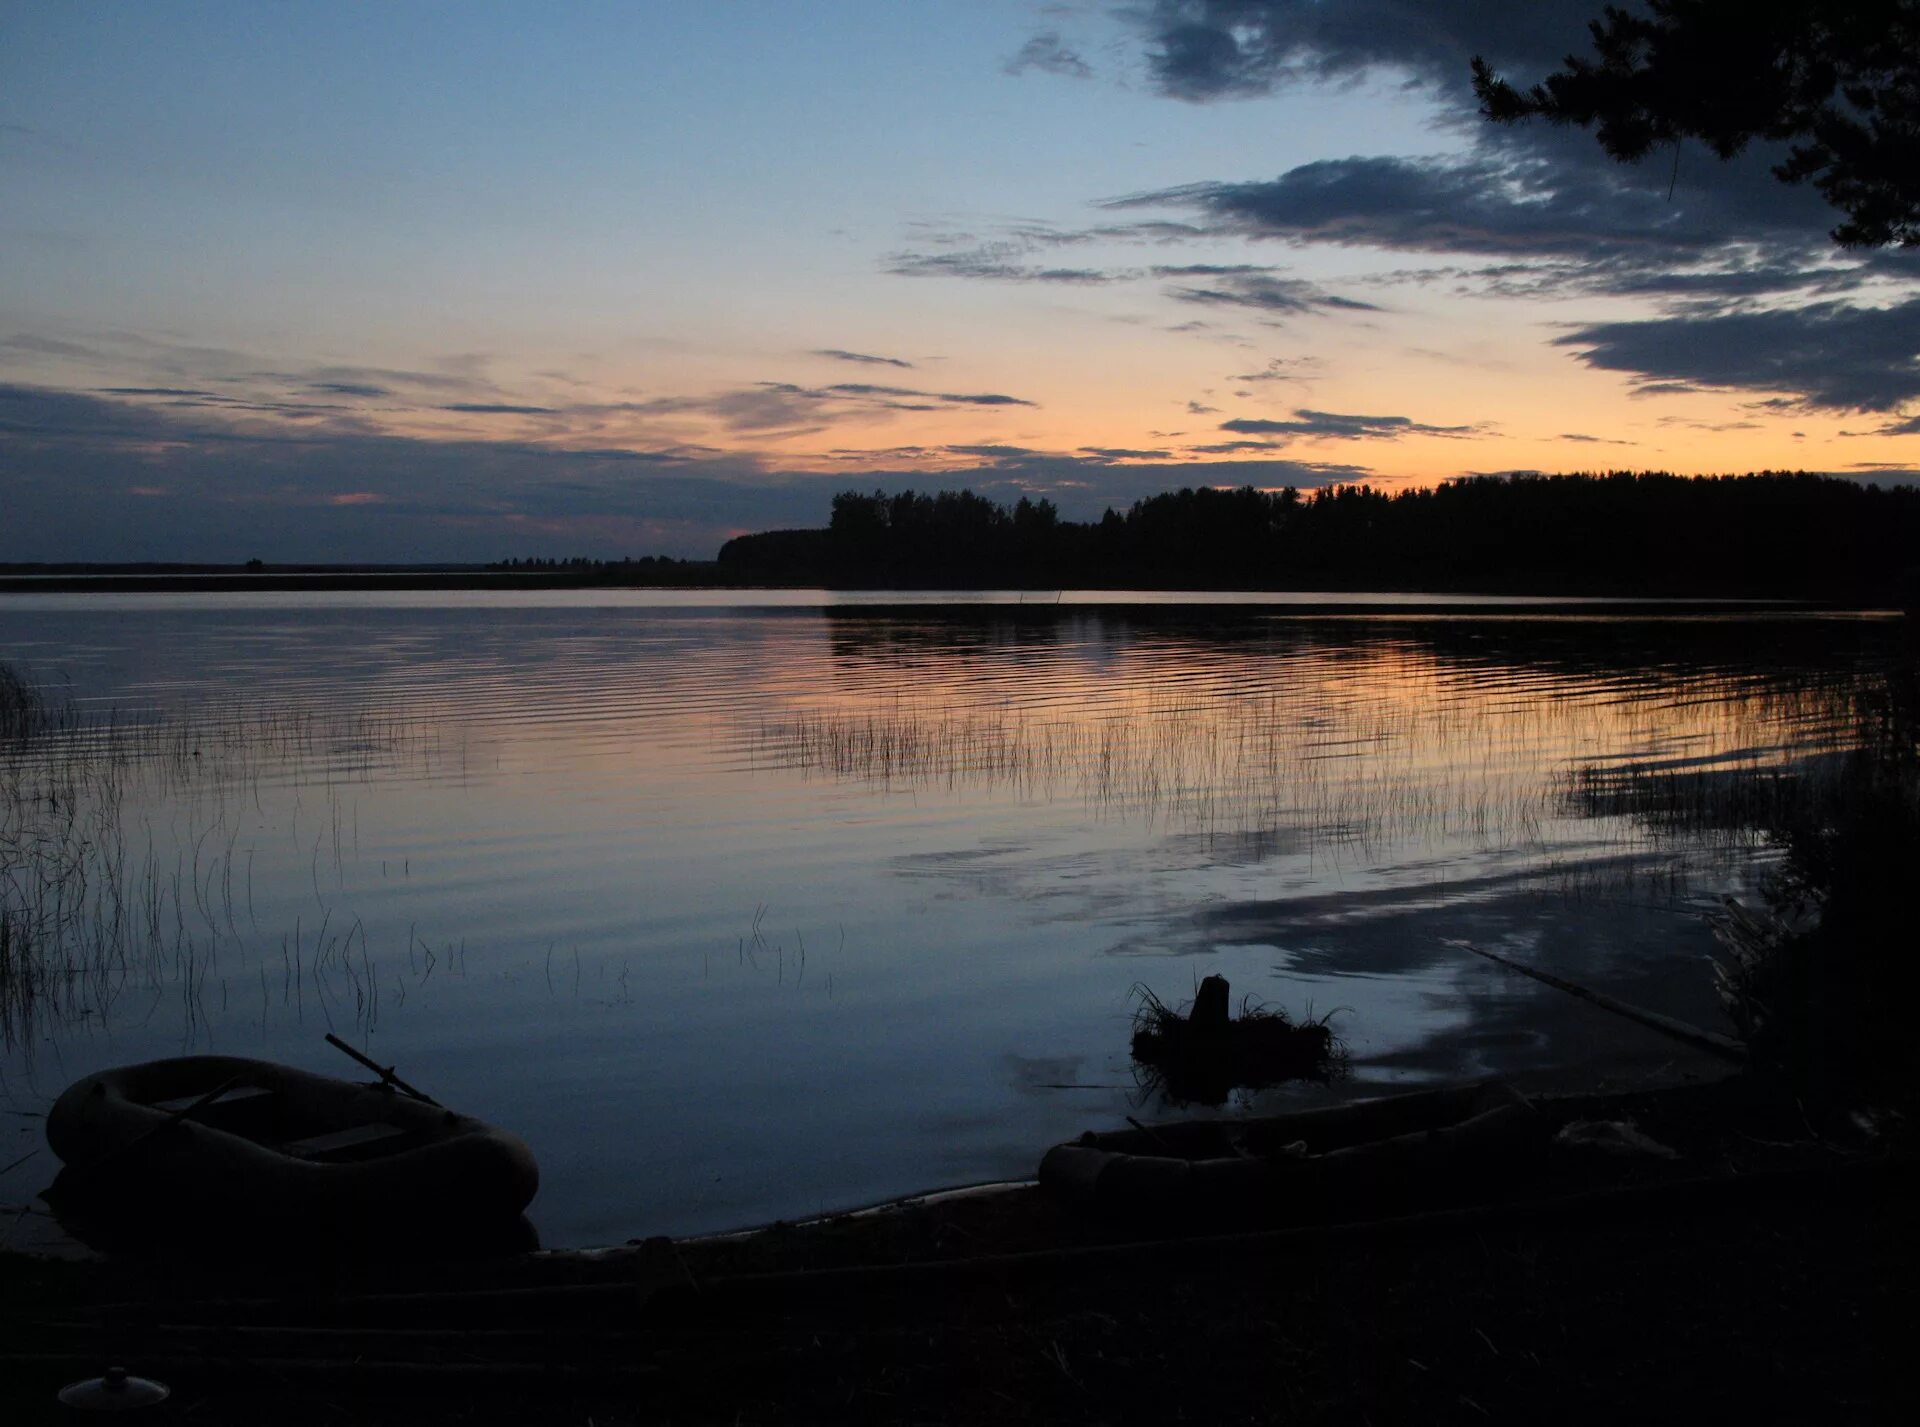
x=743, y=906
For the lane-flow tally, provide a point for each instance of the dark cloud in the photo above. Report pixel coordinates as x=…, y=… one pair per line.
x=1248, y=285
x=1123, y=453
x=995, y=453
x=1210, y=270
x=1046, y=52
x=1212, y=49
x=1471, y=204
x=499, y=408
x=1311, y=424
x=154, y=391
x=1665, y=389
x=952, y=398
x=984, y=399
x=786, y=408
x=990, y=265
x=1270, y=295
x=69, y=460
x=1581, y=228
x=1593, y=440
x=839, y=355
x=352, y=389
x=1544, y=194
x=1828, y=355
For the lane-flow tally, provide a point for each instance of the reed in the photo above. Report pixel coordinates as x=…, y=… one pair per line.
x=98, y=902
x=1662, y=787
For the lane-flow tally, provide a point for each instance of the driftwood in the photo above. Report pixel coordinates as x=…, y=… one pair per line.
x=1712, y=1042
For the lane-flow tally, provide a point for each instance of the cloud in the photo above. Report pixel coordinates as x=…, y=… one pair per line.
x=352, y=389
x=954, y=398
x=1248, y=285
x=996, y=453
x=991, y=264
x=1666, y=389
x=1047, y=53
x=1535, y=192
x=839, y=355
x=1270, y=295
x=1124, y=453
x=1200, y=50
x=1908, y=427
x=68, y=461
x=1828, y=355
x=495, y=408
x=1314, y=425
x=1593, y=440
x=1466, y=204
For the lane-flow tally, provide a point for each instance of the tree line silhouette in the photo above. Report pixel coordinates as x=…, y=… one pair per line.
x=1764, y=534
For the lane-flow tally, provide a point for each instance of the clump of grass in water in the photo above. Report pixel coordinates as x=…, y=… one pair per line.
x=24, y=711
x=1200, y=1056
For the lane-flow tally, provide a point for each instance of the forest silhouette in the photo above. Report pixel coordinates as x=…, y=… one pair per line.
x=1769, y=534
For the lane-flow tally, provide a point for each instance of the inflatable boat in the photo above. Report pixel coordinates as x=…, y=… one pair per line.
x=208, y=1134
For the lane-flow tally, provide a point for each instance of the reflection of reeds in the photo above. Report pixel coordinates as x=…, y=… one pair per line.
x=95, y=900
x=1368, y=757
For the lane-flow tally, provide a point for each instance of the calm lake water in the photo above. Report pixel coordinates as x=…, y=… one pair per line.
x=740, y=912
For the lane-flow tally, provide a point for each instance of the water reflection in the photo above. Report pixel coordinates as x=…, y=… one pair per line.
x=744, y=914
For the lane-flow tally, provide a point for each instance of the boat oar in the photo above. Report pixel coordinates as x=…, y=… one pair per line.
x=385, y=1072
x=1712, y=1042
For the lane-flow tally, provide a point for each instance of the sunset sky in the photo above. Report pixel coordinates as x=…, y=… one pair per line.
x=422, y=281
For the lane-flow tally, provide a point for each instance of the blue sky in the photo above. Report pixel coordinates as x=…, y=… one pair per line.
x=438, y=281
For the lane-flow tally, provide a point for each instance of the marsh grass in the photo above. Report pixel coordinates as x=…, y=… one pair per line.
x=125, y=865
x=1633, y=787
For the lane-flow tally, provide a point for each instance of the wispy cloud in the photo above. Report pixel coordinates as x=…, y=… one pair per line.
x=840, y=355
x=1270, y=295
x=991, y=264
x=498, y=408
x=1308, y=424
x=1049, y=53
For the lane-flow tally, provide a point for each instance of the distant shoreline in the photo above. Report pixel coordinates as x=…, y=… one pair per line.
x=1000, y=603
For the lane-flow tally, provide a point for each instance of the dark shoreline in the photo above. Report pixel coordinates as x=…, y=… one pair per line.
x=1761, y=1277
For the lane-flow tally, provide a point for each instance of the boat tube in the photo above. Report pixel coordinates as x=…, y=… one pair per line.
x=1369, y=1152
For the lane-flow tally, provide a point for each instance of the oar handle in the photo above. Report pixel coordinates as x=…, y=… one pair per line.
x=385, y=1072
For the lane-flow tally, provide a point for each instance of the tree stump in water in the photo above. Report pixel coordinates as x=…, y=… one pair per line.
x=1209, y=1013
